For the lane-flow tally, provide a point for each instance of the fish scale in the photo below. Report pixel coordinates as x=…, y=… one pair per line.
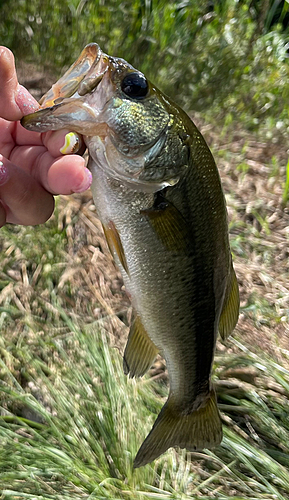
x=158, y=194
x=159, y=294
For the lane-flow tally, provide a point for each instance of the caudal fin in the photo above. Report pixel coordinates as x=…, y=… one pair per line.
x=197, y=430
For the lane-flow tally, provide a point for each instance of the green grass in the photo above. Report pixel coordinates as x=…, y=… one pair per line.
x=91, y=419
x=71, y=422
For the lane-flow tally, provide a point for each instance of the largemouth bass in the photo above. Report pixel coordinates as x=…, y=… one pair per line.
x=158, y=195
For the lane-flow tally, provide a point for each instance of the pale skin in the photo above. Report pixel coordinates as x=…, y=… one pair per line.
x=32, y=168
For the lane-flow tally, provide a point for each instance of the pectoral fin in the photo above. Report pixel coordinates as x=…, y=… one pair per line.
x=230, y=312
x=140, y=351
x=114, y=243
x=169, y=225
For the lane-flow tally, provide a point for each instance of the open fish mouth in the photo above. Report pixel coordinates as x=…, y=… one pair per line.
x=64, y=106
x=82, y=76
x=116, y=110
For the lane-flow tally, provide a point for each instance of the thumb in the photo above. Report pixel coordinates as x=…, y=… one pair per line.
x=15, y=100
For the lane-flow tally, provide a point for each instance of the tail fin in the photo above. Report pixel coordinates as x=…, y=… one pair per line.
x=197, y=430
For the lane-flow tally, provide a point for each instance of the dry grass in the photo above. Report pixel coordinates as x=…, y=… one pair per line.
x=253, y=177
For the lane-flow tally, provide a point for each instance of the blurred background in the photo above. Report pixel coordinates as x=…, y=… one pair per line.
x=225, y=57
x=70, y=422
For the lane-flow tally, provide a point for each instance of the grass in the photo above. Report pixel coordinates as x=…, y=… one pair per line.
x=227, y=59
x=70, y=421
x=73, y=428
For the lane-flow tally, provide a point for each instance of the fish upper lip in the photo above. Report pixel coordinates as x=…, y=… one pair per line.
x=94, y=75
x=81, y=78
x=68, y=84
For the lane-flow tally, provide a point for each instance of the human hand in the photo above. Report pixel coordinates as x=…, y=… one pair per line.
x=32, y=169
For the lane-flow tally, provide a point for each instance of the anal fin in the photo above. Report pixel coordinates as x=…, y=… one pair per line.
x=140, y=351
x=197, y=430
x=230, y=311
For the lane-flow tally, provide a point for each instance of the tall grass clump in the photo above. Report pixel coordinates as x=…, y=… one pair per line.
x=70, y=426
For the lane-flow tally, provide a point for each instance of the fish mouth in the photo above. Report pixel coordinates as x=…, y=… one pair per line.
x=68, y=84
x=66, y=104
x=82, y=77
x=79, y=103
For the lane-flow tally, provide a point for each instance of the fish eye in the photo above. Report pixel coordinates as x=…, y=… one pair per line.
x=135, y=85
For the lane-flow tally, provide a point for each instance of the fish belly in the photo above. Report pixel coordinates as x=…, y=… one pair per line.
x=175, y=297
x=173, y=294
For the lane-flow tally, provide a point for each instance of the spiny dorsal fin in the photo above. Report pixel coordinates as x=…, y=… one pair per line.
x=169, y=225
x=140, y=351
x=230, y=311
x=194, y=431
x=114, y=243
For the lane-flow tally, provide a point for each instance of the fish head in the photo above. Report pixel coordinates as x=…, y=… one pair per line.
x=126, y=122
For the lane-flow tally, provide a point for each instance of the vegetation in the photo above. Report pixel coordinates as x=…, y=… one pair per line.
x=83, y=429
x=224, y=57
x=70, y=421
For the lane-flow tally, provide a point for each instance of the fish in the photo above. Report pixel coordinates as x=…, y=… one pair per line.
x=158, y=194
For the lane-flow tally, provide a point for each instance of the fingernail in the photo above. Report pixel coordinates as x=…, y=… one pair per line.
x=25, y=102
x=86, y=182
x=72, y=143
x=4, y=173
